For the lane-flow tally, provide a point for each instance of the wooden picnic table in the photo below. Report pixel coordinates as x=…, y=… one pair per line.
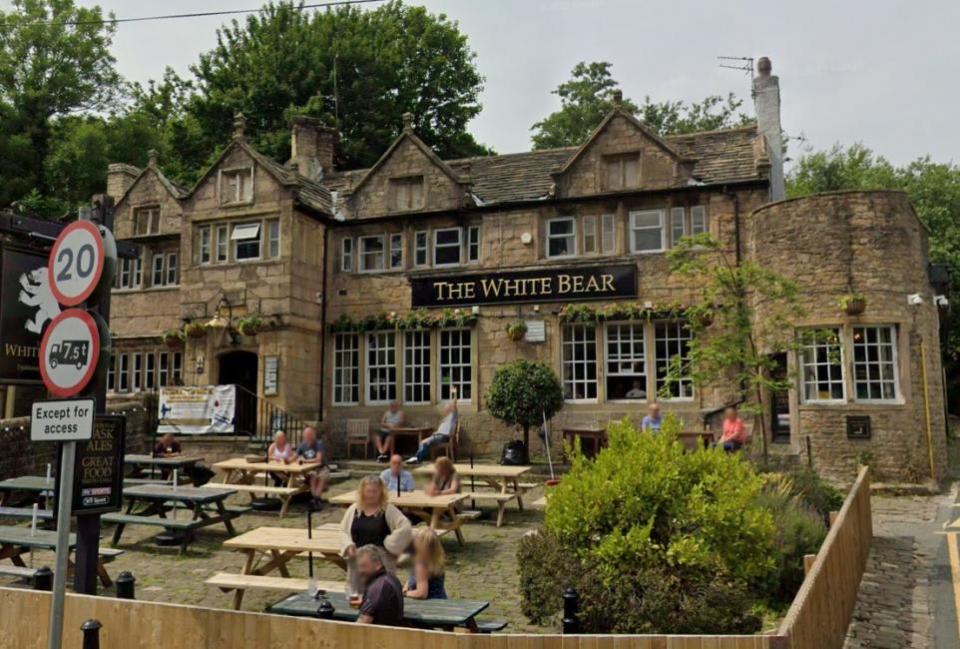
x=269, y=549
x=243, y=475
x=693, y=439
x=34, y=485
x=203, y=507
x=139, y=462
x=16, y=540
x=432, y=613
x=419, y=433
x=503, y=480
x=596, y=435
x=439, y=512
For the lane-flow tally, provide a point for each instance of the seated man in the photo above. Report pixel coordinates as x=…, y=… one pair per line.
x=168, y=446
x=652, y=421
x=446, y=428
x=312, y=451
x=392, y=418
x=734, y=433
x=636, y=391
x=382, y=601
x=396, y=477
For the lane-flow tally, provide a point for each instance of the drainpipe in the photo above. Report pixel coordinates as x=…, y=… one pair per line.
x=323, y=323
x=736, y=220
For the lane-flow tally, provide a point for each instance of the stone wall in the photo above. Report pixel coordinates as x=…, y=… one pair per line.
x=873, y=244
x=23, y=457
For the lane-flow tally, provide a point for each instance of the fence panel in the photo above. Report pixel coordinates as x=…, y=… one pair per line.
x=821, y=611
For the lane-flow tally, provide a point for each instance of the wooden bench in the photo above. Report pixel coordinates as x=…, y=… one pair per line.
x=501, y=500
x=491, y=626
x=185, y=525
x=18, y=571
x=227, y=582
x=285, y=494
x=26, y=513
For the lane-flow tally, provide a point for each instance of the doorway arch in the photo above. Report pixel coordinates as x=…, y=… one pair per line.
x=240, y=368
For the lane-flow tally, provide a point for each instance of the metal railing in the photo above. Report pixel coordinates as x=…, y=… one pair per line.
x=260, y=419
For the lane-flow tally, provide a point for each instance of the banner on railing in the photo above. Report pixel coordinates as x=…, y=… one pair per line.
x=197, y=410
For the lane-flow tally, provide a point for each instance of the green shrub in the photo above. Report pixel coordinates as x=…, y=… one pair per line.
x=646, y=502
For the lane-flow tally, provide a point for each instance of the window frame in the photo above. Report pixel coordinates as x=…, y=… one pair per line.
x=425, y=248
x=402, y=186
x=417, y=366
x=346, y=256
x=204, y=245
x=549, y=237
x=894, y=362
x=162, y=270
x=172, y=274
x=678, y=216
x=273, y=238
x=361, y=254
x=221, y=243
x=619, y=160
x=443, y=390
x=474, y=244
x=247, y=241
x=396, y=246
x=240, y=196
x=437, y=246
x=803, y=348
x=586, y=363
x=389, y=367
x=339, y=353
x=644, y=360
x=657, y=364
x=589, y=224
x=606, y=220
x=705, y=223
x=632, y=228
x=153, y=220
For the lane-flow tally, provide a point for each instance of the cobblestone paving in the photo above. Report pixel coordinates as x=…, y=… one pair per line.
x=895, y=605
x=485, y=568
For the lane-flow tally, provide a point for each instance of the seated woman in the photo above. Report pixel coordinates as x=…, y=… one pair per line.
x=734, y=432
x=280, y=452
x=445, y=479
x=372, y=521
x=429, y=561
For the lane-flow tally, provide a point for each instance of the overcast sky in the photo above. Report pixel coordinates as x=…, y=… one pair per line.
x=883, y=72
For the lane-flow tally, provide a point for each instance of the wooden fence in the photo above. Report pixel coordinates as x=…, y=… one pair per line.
x=817, y=619
x=821, y=610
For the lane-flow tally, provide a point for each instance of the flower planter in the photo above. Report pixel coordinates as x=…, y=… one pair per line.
x=195, y=330
x=855, y=306
x=516, y=331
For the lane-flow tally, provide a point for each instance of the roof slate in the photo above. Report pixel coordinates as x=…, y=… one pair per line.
x=721, y=156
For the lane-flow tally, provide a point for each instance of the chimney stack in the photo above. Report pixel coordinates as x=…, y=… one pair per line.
x=313, y=146
x=120, y=177
x=766, y=98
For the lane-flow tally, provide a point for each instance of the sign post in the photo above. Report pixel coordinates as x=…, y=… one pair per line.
x=65, y=422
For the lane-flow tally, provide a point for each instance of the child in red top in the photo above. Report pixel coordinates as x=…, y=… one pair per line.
x=734, y=433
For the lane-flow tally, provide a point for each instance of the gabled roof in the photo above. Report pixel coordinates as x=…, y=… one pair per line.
x=618, y=111
x=172, y=188
x=408, y=134
x=720, y=156
x=310, y=193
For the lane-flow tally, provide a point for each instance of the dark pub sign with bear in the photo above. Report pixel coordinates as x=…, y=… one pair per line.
x=548, y=285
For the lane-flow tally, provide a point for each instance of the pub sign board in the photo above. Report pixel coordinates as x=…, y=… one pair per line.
x=26, y=305
x=546, y=285
x=98, y=473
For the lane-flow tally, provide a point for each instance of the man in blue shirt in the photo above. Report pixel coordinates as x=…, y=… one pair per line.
x=651, y=423
x=312, y=452
x=396, y=477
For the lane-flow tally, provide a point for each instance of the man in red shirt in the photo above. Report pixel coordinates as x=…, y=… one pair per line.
x=734, y=433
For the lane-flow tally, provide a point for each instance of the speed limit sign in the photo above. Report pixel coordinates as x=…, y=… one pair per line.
x=77, y=262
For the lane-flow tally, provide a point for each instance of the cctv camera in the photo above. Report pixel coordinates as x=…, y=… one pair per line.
x=914, y=299
x=942, y=300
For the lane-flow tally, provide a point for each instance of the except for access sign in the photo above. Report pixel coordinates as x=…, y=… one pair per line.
x=69, y=352
x=61, y=421
x=76, y=263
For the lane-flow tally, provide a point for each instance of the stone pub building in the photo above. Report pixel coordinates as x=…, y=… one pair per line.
x=399, y=282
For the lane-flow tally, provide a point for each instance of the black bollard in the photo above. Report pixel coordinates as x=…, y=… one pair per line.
x=43, y=579
x=325, y=611
x=125, y=585
x=571, y=606
x=91, y=634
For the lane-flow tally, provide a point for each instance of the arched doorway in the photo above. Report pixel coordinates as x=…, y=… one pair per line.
x=240, y=368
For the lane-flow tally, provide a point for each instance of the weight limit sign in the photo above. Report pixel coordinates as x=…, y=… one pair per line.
x=69, y=352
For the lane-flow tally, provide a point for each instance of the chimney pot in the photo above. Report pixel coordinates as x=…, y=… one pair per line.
x=152, y=158
x=313, y=147
x=764, y=66
x=766, y=97
x=618, y=98
x=239, y=126
x=408, y=122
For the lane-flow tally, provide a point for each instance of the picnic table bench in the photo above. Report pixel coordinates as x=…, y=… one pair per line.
x=37, y=487
x=206, y=507
x=504, y=482
x=430, y=613
x=242, y=475
x=439, y=512
x=270, y=549
x=26, y=513
x=18, y=540
x=139, y=461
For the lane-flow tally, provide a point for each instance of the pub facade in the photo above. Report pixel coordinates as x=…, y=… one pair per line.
x=330, y=293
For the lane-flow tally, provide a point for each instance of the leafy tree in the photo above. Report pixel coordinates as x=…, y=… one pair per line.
x=523, y=393
x=733, y=340
x=359, y=69
x=590, y=94
x=54, y=61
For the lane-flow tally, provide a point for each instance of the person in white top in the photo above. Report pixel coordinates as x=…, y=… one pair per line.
x=448, y=425
x=280, y=452
x=392, y=418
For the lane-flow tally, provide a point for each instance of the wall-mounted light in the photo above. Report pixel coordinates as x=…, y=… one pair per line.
x=526, y=238
x=199, y=364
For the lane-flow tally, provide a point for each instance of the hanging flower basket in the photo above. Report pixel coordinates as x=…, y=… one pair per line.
x=195, y=330
x=249, y=326
x=516, y=331
x=853, y=304
x=174, y=338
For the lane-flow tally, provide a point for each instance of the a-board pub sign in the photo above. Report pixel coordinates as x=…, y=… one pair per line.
x=547, y=285
x=98, y=476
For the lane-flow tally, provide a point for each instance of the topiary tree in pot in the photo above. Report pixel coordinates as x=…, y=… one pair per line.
x=522, y=393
